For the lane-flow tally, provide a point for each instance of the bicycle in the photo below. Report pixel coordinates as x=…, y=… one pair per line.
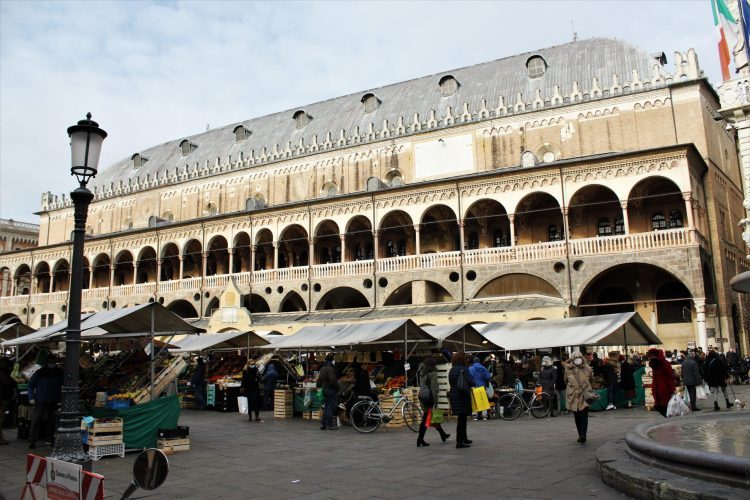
x=367, y=415
x=509, y=406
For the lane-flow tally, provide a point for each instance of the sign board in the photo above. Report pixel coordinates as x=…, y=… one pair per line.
x=691, y=345
x=63, y=480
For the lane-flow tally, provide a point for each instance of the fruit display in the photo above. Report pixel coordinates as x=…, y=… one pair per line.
x=123, y=395
x=395, y=382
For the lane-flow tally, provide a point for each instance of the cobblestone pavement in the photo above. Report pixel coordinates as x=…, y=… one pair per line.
x=233, y=458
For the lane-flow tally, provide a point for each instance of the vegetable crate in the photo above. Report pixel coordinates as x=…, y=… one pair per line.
x=170, y=446
x=311, y=415
x=103, y=432
x=283, y=403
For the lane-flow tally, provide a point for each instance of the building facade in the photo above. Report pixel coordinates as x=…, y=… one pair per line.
x=580, y=179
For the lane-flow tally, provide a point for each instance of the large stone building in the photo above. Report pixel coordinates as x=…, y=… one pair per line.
x=579, y=179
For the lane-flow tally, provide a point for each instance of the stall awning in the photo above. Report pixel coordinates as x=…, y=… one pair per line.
x=14, y=330
x=461, y=337
x=356, y=335
x=220, y=341
x=607, y=329
x=126, y=322
x=741, y=282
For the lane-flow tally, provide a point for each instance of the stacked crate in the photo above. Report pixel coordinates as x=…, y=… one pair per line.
x=283, y=403
x=397, y=417
x=173, y=440
x=444, y=387
x=162, y=380
x=311, y=414
x=104, y=438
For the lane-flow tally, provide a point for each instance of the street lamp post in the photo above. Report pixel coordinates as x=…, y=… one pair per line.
x=85, y=144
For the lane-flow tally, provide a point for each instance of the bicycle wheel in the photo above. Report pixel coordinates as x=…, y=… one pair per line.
x=412, y=415
x=365, y=416
x=509, y=407
x=541, y=405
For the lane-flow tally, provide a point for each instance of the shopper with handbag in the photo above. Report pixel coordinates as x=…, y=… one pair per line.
x=250, y=388
x=579, y=393
x=663, y=385
x=716, y=377
x=691, y=377
x=428, y=400
x=480, y=377
x=459, y=396
x=547, y=377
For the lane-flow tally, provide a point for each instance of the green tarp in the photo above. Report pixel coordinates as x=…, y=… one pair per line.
x=315, y=404
x=140, y=422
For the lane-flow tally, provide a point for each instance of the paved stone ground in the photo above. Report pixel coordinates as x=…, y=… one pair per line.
x=233, y=458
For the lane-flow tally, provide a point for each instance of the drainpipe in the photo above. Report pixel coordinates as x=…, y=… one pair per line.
x=566, y=230
x=460, y=244
x=375, y=242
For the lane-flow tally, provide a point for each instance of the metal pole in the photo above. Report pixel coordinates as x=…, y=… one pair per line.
x=152, y=353
x=406, y=358
x=463, y=330
x=68, y=446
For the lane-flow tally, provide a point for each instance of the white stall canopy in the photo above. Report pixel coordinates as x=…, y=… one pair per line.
x=381, y=334
x=606, y=330
x=461, y=336
x=220, y=341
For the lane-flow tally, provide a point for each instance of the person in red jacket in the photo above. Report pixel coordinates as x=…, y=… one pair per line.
x=663, y=385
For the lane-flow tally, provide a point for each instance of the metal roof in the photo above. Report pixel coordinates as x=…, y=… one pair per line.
x=567, y=65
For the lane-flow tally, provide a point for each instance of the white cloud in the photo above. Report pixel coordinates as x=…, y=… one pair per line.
x=153, y=72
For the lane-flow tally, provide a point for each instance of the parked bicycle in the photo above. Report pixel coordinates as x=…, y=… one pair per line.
x=510, y=405
x=367, y=415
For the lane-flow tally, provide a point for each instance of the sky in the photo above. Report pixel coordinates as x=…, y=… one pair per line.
x=151, y=72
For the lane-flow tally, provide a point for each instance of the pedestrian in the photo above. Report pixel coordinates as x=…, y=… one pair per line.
x=547, y=379
x=7, y=393
x=45, y=393
x=330, y=384
x=691, y=377
x=663, y=385
x=429, y=380
x=609, y=373
x=459, y=396
x=250, y=388
x=716, y=378
x=270, y=377
x=480, y=377
x=578, y=378
x=560, y=383
x=627, y=380
x=198, y=382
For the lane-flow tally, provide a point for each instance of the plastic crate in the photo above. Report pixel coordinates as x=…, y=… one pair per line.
x=180, y=432
x=105, y=450
x=118, y=404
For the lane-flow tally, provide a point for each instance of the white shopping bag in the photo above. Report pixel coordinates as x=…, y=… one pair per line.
x=677, y=407
x=700, y=392
x=242, y=404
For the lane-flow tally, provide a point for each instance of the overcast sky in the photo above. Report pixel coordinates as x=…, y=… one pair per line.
x=151, y=72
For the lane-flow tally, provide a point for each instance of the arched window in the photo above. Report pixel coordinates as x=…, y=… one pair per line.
x=371, y=102
x=211, y=209
x=620, y=225
x=241, y=133
x=329, y=189
x=603, y=227
x=658, y=221
x=138, y=160
x=448, y=85
x=675, y=219
x=473, y=241
x=186, y=147
x=301, y=119
x=536, y=66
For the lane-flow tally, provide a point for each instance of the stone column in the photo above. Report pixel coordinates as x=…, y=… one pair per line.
x=688, y=197
x=311, y=252
x=566, y=233
x=252, y=258
x=231, y=260
x=112, y=268
x=342, y=237
x=275, y=254
x=135, y=272
x=700, y=317
x=625, y=218
x=91, y=277
x=417, y=244
x=204, y=261
x=375, y=245
x=461, y=242
x=51, y=282
x=511, y=219
x=182, y=261
x=158, y=270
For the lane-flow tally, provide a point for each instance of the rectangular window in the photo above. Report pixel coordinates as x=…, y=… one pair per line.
x=677, y=311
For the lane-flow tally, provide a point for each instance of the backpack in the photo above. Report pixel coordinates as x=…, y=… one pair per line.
x=462, y=386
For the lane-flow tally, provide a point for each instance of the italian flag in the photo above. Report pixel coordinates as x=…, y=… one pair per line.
x=726, y=37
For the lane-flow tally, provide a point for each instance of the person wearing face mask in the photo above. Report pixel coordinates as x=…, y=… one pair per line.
x=578, y=378
x=45, y=393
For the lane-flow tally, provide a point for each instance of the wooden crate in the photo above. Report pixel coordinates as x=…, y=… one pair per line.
x=283, y=406
x=102, y=433
x=170, y=446
x=311, y=415
x=397, y=418
x=161, y=380
x=444, y=386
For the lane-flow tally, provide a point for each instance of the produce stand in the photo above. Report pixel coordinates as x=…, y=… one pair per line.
x=141, y=422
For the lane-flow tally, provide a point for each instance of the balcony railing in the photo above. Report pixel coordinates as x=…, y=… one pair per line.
x=606, y=245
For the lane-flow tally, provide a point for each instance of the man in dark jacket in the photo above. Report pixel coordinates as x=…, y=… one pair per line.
x=716, y=378
x=269, y=384
x=691, y=377
x=45, y=393
x=198, y=381
x=329, y=381
x=7, y=392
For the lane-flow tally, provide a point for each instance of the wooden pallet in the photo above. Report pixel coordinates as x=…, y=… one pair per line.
x=283, y=406
x=170, y=446
x=311, y=415
x=104, y=439
x=161, y=380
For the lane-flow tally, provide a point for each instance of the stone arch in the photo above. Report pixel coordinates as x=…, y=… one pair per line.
x=342, y=297
x=241, y=252
x=22, y=278
x=293, y=247
x=359, y=240
x=292, y=302
x=396, y=235
x=517, y=284
x=192, y=259
x=595, y=210
x=327, y=243
x=147, y=266
x=170, y=262
x=212, y=305
x=183, y=309
x=486, y=225
x=61, y=272
x=217, y=258
x=438, y=230
x=651, y=204
x=6, y=279
x=42, y=277
x=538, y=218
x=255, y=303
x=640, y=279
x=100, y=269
x=264, y=250
x=434, y=293
x=9, y=319
x=124, y=266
